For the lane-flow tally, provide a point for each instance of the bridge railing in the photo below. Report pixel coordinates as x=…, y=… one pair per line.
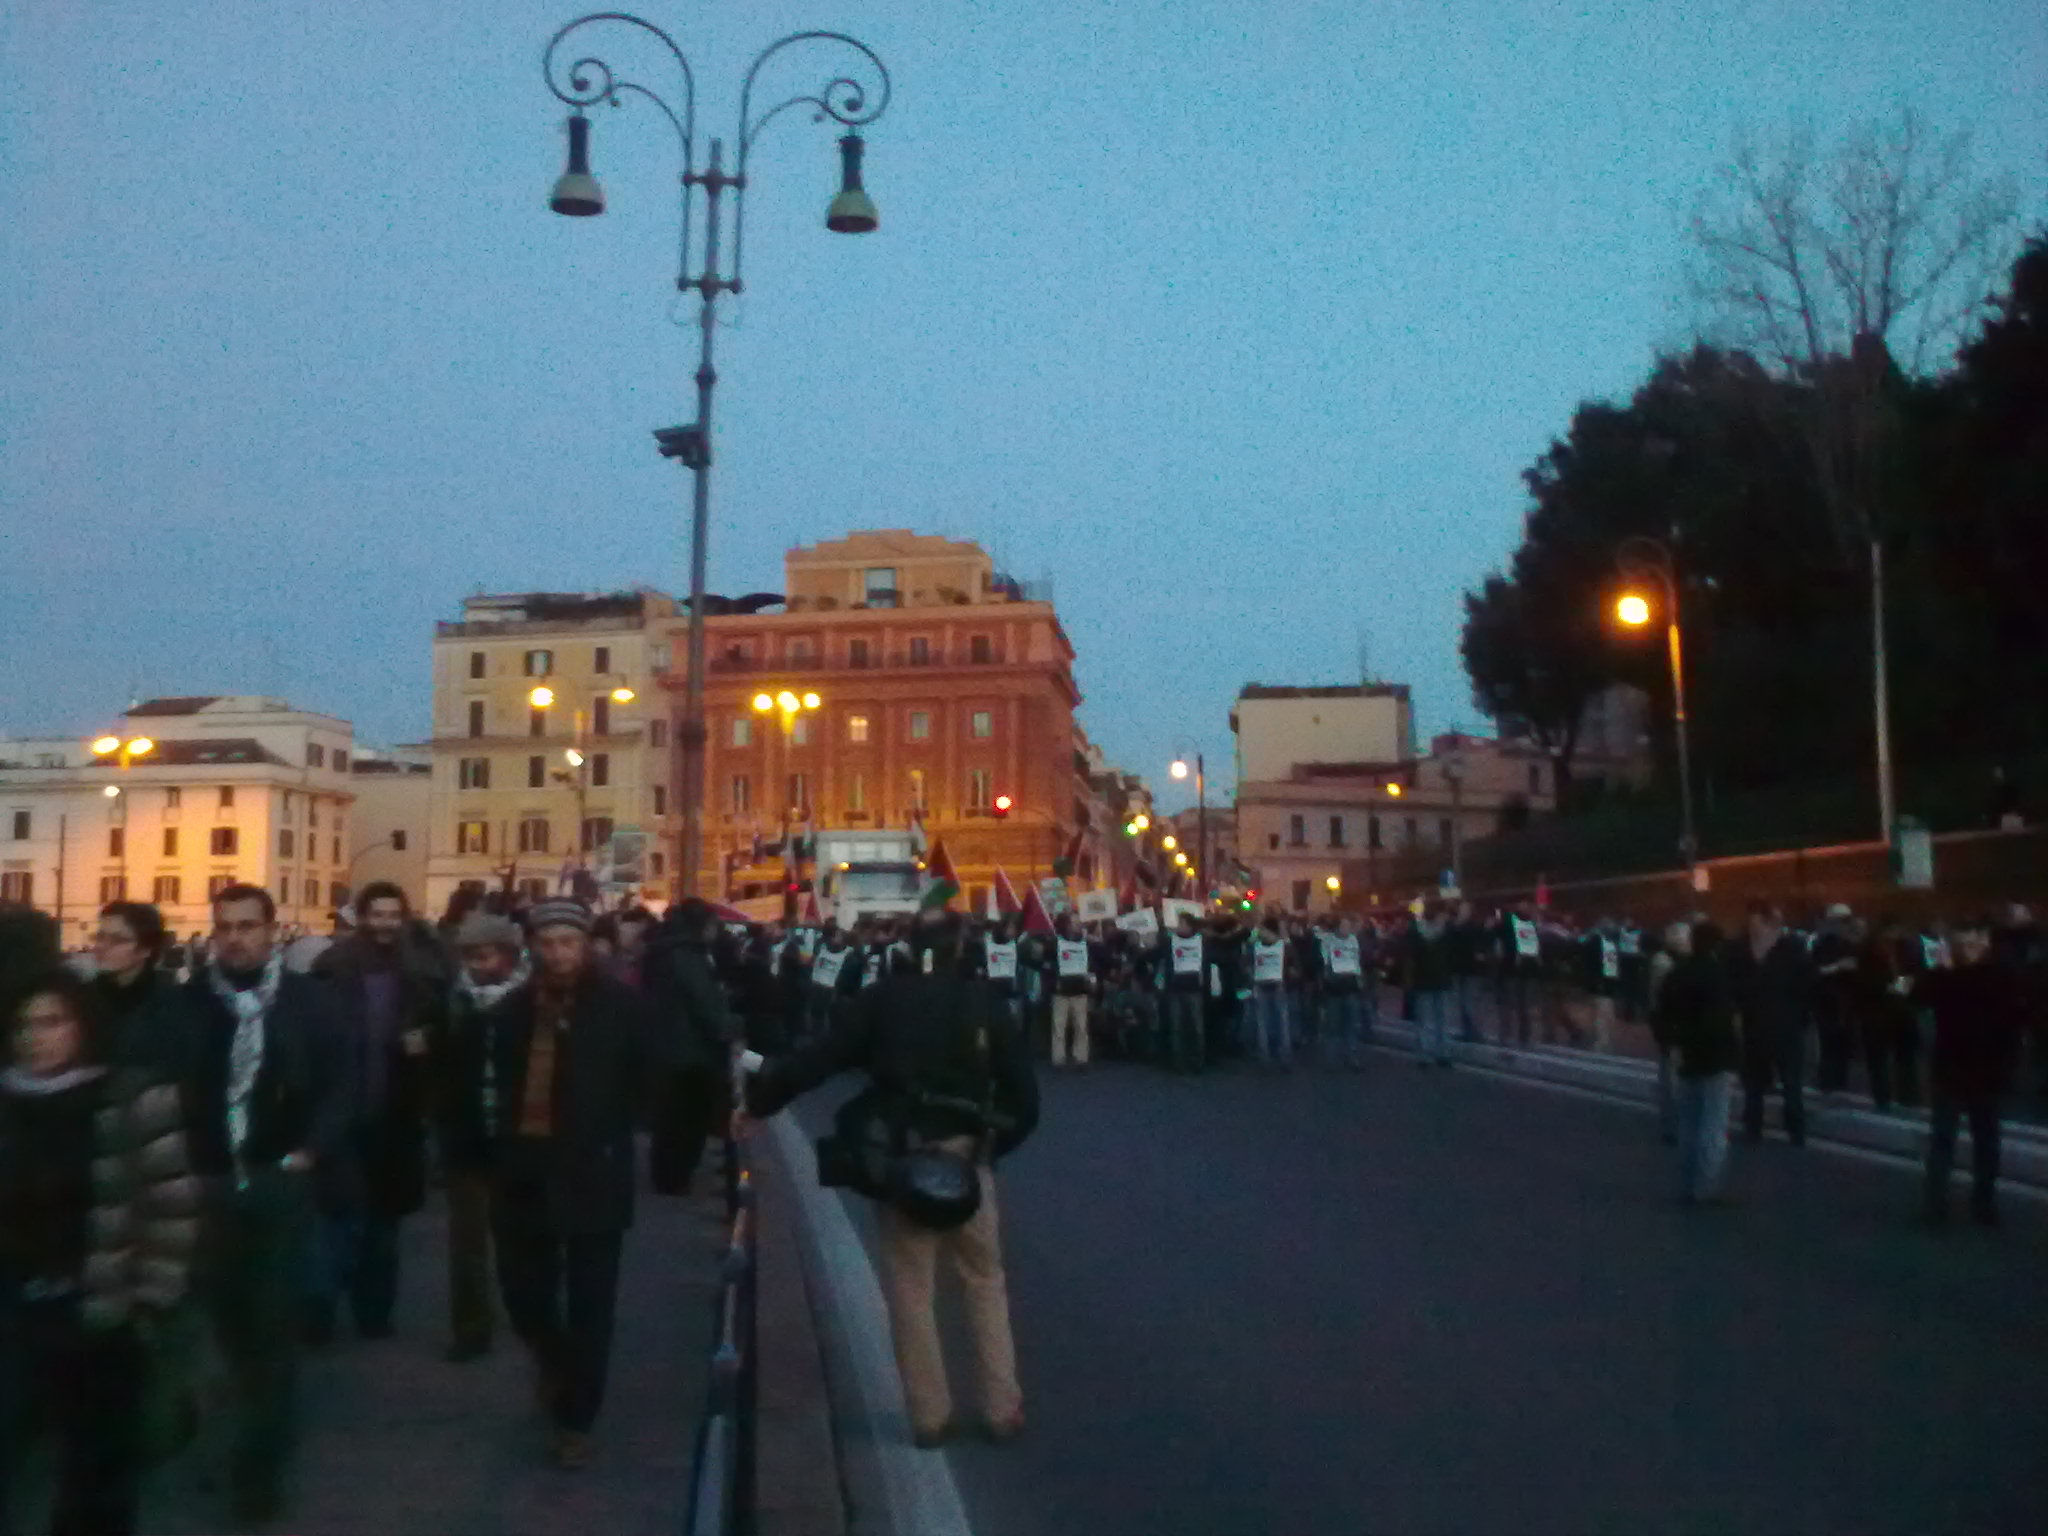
x=722, y=1461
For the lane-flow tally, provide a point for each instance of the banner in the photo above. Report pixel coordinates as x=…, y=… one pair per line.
x=1172, y=907
x=1097, y=906
x=1144, y=922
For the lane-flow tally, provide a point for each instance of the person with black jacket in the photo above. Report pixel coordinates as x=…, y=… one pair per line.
x=1694, y=1013
x=389, y=982
x=1774, y=982
x=128, y=980
x=694, y=1030
x=1183, y=954
x=1976, y=1046
x=267, y=1121
x=948, y=1071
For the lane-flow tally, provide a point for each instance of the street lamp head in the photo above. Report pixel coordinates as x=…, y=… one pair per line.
x=575, y=758
x=763, y=702
x=812, y=701
x=852, y=211
x=1333, y=884
x=1169, y=842
x=1181, y=859
x=788, y=701
x=1141, y=821
x=577, y=193
x=541, y=698
x=1179, y=769
x=1633, y=610
x=106, y=745
x=112, y=791
x=141, y=746
x=1393, y=791
x=623, y=695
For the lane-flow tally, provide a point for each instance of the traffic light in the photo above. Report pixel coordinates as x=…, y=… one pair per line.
x=1002, y=806
x=1130, y=829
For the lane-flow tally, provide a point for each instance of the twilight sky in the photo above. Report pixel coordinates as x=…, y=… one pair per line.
x=1236, y=322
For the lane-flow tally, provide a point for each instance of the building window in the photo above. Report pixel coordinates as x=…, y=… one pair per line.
x=312, y=813
x=173, y=798
x=227, y=797
x=472, y=837
x=597, y=831
x=285, y=839
x=225, y=842
x=113, y=888
x=1336, y=831
x=799, y=792
x=22, y=823
x=536, y=772
x=1272, y=839
x=117, y=842
x=476, y=663
x=1535, y=778
x=1300, y=895
x=856, y=730
x=600, y=769
x=856, y=793
x=1372, y=832
x=170, y=842
x=980, y=788
x=920, y=651
x=397, y=845
x=981, y=648
x=540, y=663
x=920, y=725
x=1444, y=835
x=476, y=717
x=800, y=731
x=1297, y=831
x=475, y=773
x=316, y=755
x=742, y=731
x=340, y=761
x=290, y=806
x=18, y=885
x=215, y=884
x=856, y=653
x=742, y=793
x=601, y=663
x=917, y=790
x=312, y=892
x=601, y=715
x=533, y=835
x=657, y=863
x=800, y=652
x=536, y=721
x=982, y=724
x=661, y=799
x=165, y=891
x=881, y=586
x=657, y=733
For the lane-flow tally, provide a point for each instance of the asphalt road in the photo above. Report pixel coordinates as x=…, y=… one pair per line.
x=1420, y=1301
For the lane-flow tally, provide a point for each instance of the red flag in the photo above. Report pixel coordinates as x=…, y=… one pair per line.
x=1007, y=903
x=1036, y=919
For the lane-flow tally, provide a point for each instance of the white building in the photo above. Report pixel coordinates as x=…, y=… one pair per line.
x=231, y=789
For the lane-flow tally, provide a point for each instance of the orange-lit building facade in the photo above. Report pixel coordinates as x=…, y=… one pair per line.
x=942, y=686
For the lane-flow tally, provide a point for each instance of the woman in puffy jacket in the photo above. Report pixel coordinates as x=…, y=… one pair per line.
x=98, y=1220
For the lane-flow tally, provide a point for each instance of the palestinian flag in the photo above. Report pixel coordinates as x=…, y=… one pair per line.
x=941, y=883
x=1005, y=894
x=1036, y=918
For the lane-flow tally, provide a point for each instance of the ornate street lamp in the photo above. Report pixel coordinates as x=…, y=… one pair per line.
x=577, y=194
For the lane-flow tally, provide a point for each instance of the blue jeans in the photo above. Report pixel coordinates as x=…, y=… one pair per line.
x=1431, y=1022
x=1466, y=990
x=1272, y=1021
x=1344, y=1027
x=1703, y=1133
x=1184, y=1031
x=354, y=1256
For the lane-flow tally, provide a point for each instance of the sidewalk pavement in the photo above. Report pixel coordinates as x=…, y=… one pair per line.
x=398, y=1442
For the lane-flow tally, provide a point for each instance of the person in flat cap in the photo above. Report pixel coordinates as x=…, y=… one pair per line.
x=557, y=1077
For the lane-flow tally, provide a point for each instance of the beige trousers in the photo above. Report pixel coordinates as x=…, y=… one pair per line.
x=1070, y=1017
x=910, y=1256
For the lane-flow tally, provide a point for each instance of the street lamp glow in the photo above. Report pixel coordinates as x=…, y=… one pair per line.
x=812, y=701
x=1333, y=884
x=575, y=758
x=763, y=702
x=1179, y=769
x=623, y=695
x=1633, y=610
x=112, y=791
x=541, y=698
x=141, y=746
x=788, y=701
x=105, y=745
x=1141, y=821
x=1394, y=791
x=1181, y=859
x=1169, y=842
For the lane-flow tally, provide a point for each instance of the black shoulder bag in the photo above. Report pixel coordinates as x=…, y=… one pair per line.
x=935, y=1187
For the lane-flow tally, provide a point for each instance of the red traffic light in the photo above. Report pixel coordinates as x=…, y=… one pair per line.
x=1003, y=804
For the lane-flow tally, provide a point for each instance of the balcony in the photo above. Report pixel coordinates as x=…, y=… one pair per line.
x=893, y=661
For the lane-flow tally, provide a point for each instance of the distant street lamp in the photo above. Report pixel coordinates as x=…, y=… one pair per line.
x=577, y=754
x=1180, y=771
x=126, y=752
x=1645, y=561
x=578, y=195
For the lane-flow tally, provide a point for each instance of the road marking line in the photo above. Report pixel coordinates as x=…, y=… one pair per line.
x=922, y=1495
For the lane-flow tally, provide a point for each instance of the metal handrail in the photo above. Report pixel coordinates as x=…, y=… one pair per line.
x=721, y=1501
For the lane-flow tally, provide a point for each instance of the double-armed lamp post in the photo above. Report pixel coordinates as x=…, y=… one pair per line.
x=588, y=81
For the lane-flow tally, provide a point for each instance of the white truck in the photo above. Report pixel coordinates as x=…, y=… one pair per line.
x=866, y=872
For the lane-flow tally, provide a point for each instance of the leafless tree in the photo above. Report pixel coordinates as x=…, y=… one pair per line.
x=1800, y=248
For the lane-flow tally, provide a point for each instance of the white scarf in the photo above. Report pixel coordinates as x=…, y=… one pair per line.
x=251, y=1011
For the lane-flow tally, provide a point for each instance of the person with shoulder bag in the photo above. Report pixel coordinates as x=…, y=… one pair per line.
x=951, y=1090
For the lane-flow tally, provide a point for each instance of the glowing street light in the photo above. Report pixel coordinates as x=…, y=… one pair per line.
x=623, y=695
x=574, y=758
x=763, y=702
x=812, y=701
x=1141, y=821
x=541, y=698
x=1181, y=859
x=1179, y=769
x=1169, y=842
x=112, y=791
x=1393, y=791
x=1332, y=884
x=1633, y=610
x=105, y=745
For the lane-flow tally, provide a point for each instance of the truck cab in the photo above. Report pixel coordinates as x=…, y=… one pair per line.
x=868, y=872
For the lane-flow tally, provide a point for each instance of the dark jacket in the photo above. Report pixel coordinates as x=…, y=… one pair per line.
x=388, y=1139
x=1976, y=1029
x=300, y=1101
x=1427, y=961
x=1774, y=994
x=1695, y=1015
x=579, y=1181
x=917, y=1035
x=692, y=1020
x=128, y=1032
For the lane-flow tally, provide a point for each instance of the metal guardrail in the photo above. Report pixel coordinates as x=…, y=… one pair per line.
x=722, y=1460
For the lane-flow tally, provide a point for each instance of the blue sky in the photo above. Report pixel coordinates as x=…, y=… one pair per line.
x=1235, y=322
